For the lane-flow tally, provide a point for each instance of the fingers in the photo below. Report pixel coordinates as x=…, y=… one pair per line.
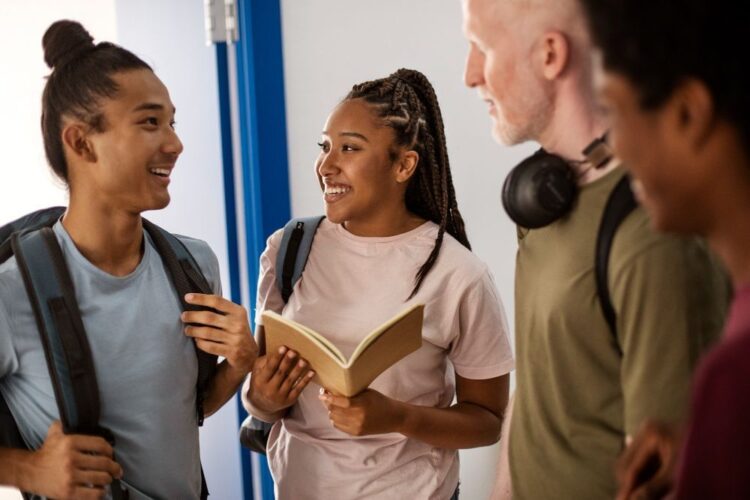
x=214, y=302
x=298, y=370
x=207, y=318
x=96, y=463
x=285, y=367
x=91, y=444
x=205, y=333
x=301, y=384
x=332, y=400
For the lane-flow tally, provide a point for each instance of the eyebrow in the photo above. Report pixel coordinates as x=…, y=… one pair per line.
x=151, y=106
x=350, y=134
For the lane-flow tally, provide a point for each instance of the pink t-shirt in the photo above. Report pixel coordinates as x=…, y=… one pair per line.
x=350, y=286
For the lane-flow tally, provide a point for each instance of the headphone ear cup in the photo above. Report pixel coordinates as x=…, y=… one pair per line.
x=539, y=190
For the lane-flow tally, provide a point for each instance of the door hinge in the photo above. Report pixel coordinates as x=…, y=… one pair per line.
x=221, y=21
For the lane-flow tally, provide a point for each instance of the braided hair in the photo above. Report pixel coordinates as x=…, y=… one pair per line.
x=407, y=103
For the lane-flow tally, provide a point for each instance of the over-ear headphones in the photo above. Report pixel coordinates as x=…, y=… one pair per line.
x=542, y=188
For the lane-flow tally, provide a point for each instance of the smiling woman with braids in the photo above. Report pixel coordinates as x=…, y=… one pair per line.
x=390, y=201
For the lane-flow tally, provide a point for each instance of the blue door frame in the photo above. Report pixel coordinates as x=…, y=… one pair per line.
x=265, y=177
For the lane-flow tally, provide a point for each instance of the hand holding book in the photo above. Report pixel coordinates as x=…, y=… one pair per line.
x=384, y=346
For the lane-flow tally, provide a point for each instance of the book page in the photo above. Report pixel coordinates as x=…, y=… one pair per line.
x=387, y=345
x=286, y=330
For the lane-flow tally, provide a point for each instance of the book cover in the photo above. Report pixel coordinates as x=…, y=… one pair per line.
x=380, y=349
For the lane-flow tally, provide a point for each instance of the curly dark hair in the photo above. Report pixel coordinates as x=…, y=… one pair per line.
x=407, y=103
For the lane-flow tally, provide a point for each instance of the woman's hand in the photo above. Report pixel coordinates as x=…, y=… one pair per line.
x=369, y=412
x=224, y=333
x=277, y=381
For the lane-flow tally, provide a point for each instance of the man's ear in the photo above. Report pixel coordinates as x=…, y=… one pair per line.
x=554, y=54
x=693, y=112
x=406, y=165
x=75, y=137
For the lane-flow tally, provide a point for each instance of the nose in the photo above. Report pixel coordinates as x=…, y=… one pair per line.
x=172, y=143
x=326, y=164
x=474, y=67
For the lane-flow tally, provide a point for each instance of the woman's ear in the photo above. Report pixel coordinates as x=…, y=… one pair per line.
x=76, y=141
x=406, y=165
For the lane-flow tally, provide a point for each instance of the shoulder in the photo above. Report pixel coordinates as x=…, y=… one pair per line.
x=456, y=259
x=10, y=277
x=637, y=239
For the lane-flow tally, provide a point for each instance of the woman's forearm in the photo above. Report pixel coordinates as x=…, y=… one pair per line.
x=463, y=425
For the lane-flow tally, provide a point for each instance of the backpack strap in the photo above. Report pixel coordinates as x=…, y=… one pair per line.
x=66, y=348
x=296, y=243
x=620, y=204
x=186, y=277
x=45, y=217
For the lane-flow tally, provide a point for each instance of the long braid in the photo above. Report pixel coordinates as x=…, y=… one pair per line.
x=407, y=103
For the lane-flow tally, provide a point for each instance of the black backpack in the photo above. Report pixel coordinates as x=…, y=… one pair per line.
x=67, y=352
x=294, y=250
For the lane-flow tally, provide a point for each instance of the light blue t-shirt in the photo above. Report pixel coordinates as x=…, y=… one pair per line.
x=146, y=367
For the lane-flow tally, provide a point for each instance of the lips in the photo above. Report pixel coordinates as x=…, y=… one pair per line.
x=162, y=173
x=334, y=192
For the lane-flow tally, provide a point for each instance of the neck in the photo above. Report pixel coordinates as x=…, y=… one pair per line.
x=729, y=234
x=574, y=125
x=110, y=239
x=387, y=223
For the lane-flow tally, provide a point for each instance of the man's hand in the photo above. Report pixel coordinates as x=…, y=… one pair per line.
x=646, y=468
x=71, y=466
x=369, y=412
x=226, y=333
x=277, y=381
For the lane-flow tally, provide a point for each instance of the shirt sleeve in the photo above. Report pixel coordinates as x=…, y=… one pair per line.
x=269, y=297
x=667, y=294
x=715, y=459
x=482, y=349
x=8, y=356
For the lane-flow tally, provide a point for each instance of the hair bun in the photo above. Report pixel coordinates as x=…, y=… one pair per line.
x=64, y=41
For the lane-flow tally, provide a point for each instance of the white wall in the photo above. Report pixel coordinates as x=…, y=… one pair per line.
x=331, y=44
x=168, y=34
x=26, y=183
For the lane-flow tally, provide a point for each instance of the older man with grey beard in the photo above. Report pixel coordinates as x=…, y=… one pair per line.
x=583, y=386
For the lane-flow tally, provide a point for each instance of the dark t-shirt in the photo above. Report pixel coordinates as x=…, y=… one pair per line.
x=716, y=457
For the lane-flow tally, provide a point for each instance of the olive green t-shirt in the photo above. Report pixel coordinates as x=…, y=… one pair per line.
x=580, y=391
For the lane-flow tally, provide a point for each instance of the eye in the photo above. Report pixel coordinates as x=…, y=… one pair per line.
x=172, y=124
x=151, y=121
x=349, y=148
x=324, y=146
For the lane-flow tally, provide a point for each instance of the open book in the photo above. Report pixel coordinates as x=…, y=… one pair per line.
x=388, y=343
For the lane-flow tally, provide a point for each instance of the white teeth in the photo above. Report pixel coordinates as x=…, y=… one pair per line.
x=337, y=190
x=160, y=171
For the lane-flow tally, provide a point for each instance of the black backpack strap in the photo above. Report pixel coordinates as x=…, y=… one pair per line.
x=296, y=243
x=29, y=222
x=66, y=348
x=620, y=204
x=186, y=277
x=71, y=367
